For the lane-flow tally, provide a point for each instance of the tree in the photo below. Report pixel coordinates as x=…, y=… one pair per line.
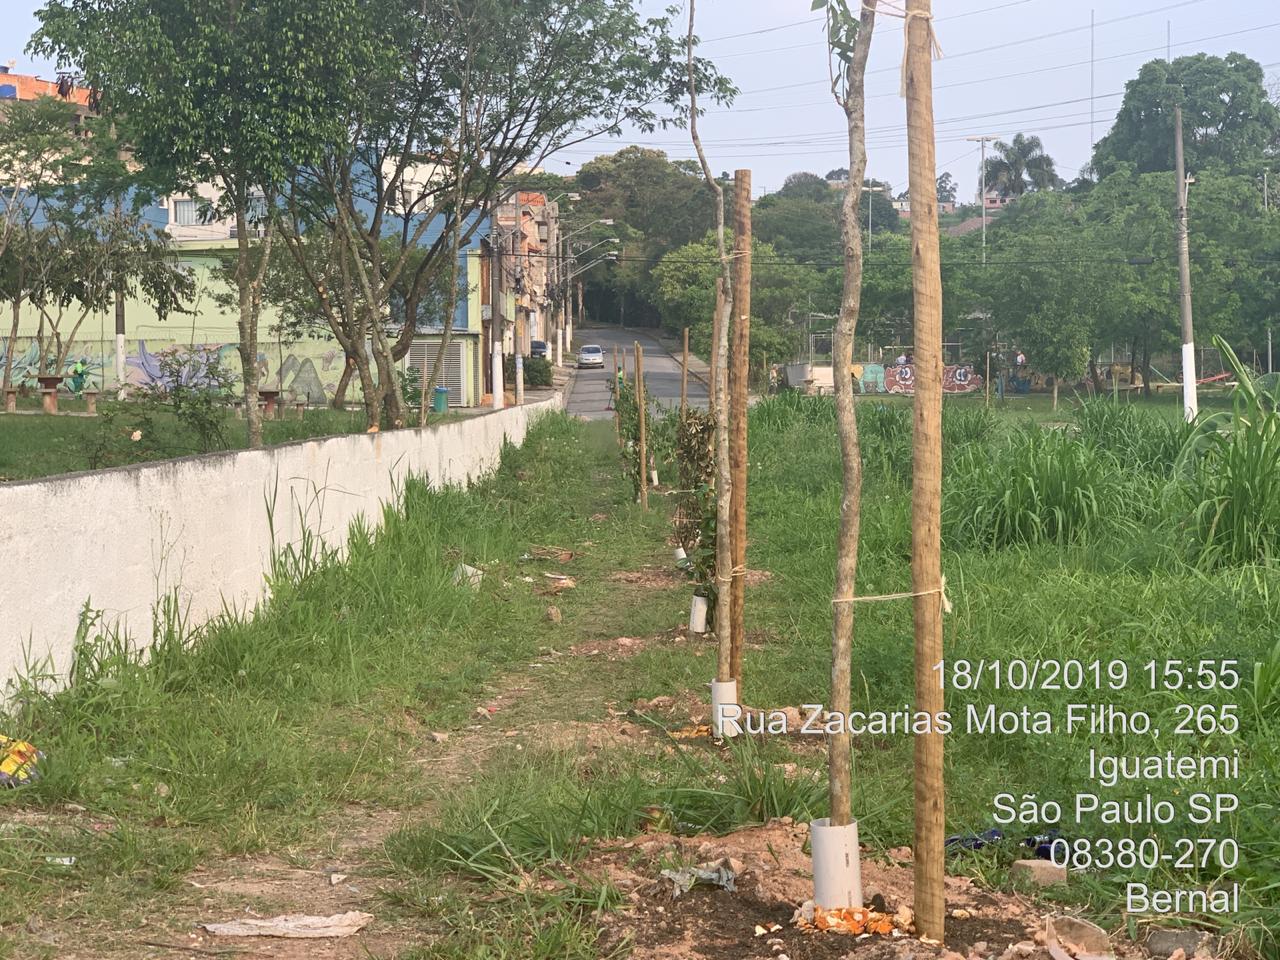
x=881, y=213
x=684, y=287
x=946, y=188
x=1226, y=113
x=838, y=175
x=807, y=186
x=1020, y=165
x=229, y=93
x=800, y=229
x=36, y=140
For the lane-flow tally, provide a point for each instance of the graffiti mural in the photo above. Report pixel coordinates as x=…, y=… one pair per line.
x=26, y=359
x=309, y=369
x=900, y=378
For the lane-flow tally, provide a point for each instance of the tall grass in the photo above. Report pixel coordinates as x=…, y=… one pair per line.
x=1040, y=486
x=1138, y=439
x=1233, y=486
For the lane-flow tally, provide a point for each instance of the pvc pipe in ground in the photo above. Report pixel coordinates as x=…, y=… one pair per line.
x=837, y=869
x=725, y=711
x=681, y=556
x=653, y=478
x=698, y=615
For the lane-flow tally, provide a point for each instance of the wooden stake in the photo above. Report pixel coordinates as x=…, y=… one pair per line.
x=987, y=380
x=739, y=375
x=684, y=372
x=926, y=488
x=617, y=382
x=839, y=745
x=644, y=451
x=714, y=363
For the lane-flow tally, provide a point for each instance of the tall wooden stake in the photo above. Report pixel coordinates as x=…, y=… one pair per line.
x=644, y=450
x=739, y=375
x=684, y=372
x=926, y=488
x=617, y=383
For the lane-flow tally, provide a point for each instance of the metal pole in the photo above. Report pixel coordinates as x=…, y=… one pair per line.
x=1190, y=402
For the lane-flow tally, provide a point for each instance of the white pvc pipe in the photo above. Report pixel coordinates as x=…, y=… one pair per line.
x=681, y=556
x=837, y=869
x=725, y=712
x=698, y=615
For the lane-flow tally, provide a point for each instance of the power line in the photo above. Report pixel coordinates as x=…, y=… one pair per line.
x=1028, y=73
x=998, y=46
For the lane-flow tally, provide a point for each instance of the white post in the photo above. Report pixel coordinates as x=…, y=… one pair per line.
x=120, y=357
x=560, y=347
x=519, y=379
x=497, y=374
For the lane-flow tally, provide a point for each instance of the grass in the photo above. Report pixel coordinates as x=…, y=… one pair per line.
x=34, y=446
x=240, y=736
x=245, y=736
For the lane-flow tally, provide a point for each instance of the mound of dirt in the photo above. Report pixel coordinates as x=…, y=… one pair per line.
x=773, y=878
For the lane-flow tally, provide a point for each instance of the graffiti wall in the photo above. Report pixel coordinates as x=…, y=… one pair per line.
x=309, y=368
x=901, y=377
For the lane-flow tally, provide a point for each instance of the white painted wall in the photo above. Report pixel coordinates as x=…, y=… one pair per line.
x=121, y=538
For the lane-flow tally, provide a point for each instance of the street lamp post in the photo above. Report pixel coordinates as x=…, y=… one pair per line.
x=982, y=195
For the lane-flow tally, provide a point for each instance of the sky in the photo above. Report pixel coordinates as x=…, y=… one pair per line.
x=1008, y=66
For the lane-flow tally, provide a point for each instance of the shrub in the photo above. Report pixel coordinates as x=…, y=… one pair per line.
x=537, y=371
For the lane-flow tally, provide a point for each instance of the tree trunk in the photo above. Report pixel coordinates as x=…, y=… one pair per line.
x=1146, y=367
x=1055, y=394
x=840, y=745
x=926, y=487
x=13, y=337
x=339, y=401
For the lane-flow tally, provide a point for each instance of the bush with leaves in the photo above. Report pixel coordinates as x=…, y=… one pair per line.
x=695, y=519
x=537, y=371
x=198, y=389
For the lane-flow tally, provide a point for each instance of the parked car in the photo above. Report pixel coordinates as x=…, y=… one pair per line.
x=590, y=355
x=538, y=348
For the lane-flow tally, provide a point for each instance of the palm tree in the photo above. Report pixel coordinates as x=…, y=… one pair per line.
x=1019, y=166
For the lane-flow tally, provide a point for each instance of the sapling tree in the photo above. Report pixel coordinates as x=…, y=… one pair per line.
x=849, y=39
x=720, y=388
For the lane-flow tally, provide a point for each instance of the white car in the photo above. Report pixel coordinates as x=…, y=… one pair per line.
x=590, y=355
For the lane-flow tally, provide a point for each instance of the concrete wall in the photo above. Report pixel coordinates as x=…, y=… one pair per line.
x=120, y=538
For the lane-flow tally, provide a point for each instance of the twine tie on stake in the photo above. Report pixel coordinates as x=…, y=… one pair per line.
x=906, y=15
x=941, y=590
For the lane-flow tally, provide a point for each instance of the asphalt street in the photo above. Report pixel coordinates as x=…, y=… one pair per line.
x=589, y=398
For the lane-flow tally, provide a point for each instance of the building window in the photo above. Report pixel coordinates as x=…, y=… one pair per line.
x=185, y=214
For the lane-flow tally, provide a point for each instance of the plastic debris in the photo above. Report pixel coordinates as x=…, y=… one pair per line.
x=686, y=878
x=61, y=861
x=974, y=841
x=18, y=762
x=294, y=926
x=464, y=575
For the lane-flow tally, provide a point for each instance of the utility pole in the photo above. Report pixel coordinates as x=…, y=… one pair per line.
x=739, y=370
x=496, y=320
x=926, y=486
x=1190, y=403
x=640, y=407
x=982, y=194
